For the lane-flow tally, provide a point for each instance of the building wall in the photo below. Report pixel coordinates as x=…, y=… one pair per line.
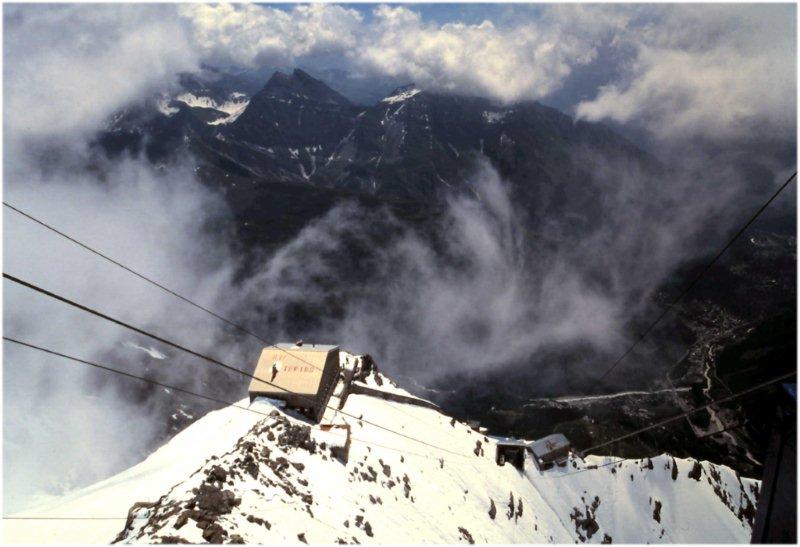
x=328, y=382
x=298, y=372
x=304, y=378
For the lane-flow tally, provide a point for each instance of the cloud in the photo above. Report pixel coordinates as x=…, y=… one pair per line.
x=486, y=299
x=66, y=425
x=524, y=61
x=483, y=291
x=714, y=72
x=253, y=35
x=68, y=67
x=722, y=72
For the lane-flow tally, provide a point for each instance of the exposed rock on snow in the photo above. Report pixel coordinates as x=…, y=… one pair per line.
x=236, y=476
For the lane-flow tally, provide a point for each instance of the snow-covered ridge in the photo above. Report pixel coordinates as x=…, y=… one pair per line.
x=268, y=475
x=401, y=96
x=233, y=106
x=233, y=113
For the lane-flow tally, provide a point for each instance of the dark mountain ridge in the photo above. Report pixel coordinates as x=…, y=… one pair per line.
x=413, y=145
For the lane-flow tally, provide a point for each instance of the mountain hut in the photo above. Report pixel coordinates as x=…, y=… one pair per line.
x=303, y=375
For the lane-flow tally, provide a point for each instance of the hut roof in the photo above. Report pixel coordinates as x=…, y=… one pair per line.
x=549, y=444
x=306, y=347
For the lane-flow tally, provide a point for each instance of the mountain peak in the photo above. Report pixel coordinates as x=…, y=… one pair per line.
x=302, y=75
x=300, y=84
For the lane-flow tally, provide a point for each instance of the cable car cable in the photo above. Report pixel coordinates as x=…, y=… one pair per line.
x=164, y=288
x=207, y=358
x=693, y=411
x=134, y=272
x=743, y=393
x=188, y=392
x=145, y=278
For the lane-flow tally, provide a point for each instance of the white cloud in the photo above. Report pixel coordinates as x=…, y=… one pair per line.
x=524, y=61
x=507, y=63
x=68, y=67
x=721, y=72
x=156, y=222
x=491, y=294
x=249, y=34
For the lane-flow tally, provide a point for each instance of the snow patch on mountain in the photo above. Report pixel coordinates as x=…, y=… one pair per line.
x=151, y=351
x=494, y=117
x=234, y=111
x=401, y=96
x=162, y=105
x=233, y=106
x=383, y=471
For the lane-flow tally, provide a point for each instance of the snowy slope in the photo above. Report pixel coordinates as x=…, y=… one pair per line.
x=240, y=476
x=110, y=499
x=661, y=499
